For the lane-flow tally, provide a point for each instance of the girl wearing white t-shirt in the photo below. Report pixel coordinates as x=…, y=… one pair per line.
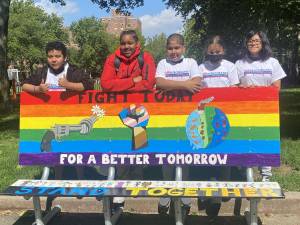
x=176, y=73
x=258, y=68
x=216, y=71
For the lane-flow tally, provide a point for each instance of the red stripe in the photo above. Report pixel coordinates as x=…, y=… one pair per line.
x=97, y=97
x=240, y=107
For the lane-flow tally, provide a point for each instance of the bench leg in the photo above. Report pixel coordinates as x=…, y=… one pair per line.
x=178, y=209
x=39, y=219
x=251, y=216
x=37, y=211
x=108, y=217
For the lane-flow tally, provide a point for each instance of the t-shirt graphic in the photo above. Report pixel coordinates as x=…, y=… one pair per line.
x=52, y=79
x=223, y=74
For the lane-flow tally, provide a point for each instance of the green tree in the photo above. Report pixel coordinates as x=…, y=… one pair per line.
x=157, y=46
x=28, y=33
x=233, y=19
x=94, y=44
x=122, y=6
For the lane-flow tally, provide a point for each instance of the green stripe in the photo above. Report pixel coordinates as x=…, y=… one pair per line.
x=235, y=133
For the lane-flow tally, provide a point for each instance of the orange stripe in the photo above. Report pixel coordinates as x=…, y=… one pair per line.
x=248, y=107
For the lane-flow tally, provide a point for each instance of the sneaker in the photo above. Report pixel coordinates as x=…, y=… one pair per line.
x=212, y=210
x=162, y=210
x=163, y=206
x=186, y=209
x=116, y=206
x=202, y=203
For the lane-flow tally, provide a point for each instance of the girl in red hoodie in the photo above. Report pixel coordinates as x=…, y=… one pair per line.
x=128, y=69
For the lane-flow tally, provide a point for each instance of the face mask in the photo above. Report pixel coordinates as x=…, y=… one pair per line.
x=176, y=60
x=59, y=70
x=214, y=58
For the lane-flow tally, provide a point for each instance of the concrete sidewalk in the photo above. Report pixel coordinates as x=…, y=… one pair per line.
x=18, y=211
x=289, y=205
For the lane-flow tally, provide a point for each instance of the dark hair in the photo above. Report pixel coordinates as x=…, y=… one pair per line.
x=266, y=51
x=129, y=32
x=178, y=37
x=215, y=39
x=56, y=45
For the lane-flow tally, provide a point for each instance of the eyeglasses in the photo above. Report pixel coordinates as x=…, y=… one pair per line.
x=255, y=41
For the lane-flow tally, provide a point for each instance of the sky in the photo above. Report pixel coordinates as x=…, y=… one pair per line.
x=154, y=15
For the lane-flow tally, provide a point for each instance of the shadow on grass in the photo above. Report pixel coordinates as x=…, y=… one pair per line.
x=9, y=122
x=66, y=218
x=290, y=126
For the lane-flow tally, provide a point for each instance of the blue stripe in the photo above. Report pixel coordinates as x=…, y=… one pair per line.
x=155, y=146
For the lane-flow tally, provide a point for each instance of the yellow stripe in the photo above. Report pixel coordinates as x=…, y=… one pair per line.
x=236, y=120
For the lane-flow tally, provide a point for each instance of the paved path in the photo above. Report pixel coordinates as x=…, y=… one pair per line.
x=27, y=217
x=17, y=211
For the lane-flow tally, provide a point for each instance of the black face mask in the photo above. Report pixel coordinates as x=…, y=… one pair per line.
x=214, y=58
x=59, y=70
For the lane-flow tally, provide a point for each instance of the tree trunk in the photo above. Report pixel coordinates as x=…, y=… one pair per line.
x=4, y=83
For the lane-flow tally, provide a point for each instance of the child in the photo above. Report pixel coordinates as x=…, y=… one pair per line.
x=128, y=69
x=176, y=73
x=216, y=72
x=58, y=74
x=258, y=68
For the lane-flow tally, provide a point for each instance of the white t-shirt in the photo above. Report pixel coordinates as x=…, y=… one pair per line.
x=184, y=70
x=223, y=74
x=52, y=79
x=259, y=73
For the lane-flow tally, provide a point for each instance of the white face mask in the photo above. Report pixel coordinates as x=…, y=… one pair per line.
x=176, y=60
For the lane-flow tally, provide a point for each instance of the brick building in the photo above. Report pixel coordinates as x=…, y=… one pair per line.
x=119, y=22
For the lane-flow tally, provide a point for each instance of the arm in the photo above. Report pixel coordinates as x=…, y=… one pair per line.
x=76, y=80
x=192, y=85
x=233, y=76
x=277, y=84
x=35, y=83
x=109, y=79
x=42, y=88
x=278, y=74
x=148, y=75
x=71, y=85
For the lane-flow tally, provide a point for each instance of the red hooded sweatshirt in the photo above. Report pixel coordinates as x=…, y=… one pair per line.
x=122, y=80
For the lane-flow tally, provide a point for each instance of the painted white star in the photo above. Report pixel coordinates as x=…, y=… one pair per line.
x=99, y=112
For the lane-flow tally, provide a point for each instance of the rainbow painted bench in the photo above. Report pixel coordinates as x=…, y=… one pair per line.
x=215, y=127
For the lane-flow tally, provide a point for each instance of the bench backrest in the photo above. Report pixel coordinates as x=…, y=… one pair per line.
x=221, y=126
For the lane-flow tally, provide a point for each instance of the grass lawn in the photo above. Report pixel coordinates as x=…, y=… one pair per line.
x=10, y=171
x=288, y=175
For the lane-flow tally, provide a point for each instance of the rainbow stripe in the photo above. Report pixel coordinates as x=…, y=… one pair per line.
x=253, y=115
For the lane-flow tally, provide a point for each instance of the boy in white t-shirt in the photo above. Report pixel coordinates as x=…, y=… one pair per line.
x=176, y=73
x=58, y=74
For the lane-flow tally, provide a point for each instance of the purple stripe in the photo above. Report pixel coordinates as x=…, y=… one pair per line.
x=245, y=160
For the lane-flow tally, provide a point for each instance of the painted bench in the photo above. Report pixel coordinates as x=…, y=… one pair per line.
x=215, y=127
